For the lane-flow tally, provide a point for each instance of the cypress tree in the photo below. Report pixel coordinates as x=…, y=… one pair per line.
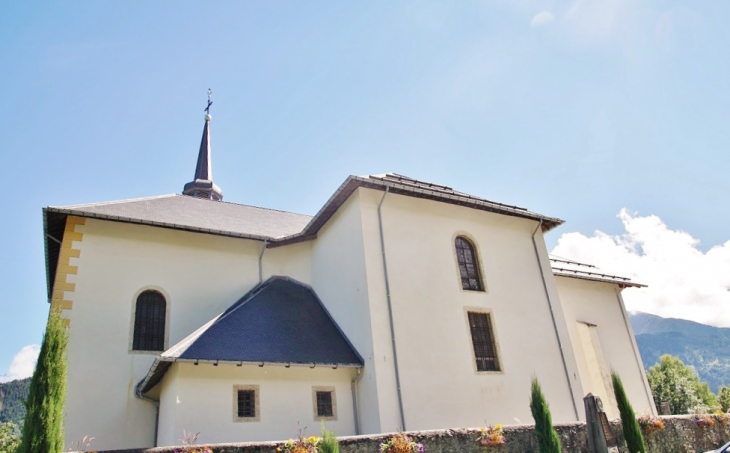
x=632, y=431
x=43, y=427
x=547, y=438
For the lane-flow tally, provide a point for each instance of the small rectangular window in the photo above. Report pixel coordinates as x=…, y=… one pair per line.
x=246, y=403
x=482, y=338
x=324, y=404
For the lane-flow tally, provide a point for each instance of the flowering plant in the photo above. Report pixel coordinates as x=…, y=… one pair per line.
x=301, y=445
x=704, y=420
x=721, y=417
x=400, y=443
x=650, y=423
x=491, y=436
x=189, y=439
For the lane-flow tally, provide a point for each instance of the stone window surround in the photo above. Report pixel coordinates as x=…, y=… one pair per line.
x=317, y=388
x=477, y=258
x=495, y=339
x=257, y=403
x=168, y=307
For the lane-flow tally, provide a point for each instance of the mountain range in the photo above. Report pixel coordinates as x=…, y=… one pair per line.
x=703, y=347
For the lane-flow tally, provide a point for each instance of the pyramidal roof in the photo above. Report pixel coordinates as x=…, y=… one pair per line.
x=281, y=321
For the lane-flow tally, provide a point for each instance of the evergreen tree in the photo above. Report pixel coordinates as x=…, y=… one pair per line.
x=43, y=427
x=632, y=430
x=547, y=438
x=723, y=398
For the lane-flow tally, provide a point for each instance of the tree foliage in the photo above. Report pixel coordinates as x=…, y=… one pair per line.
x=723, y=398
x=12, y=397
x=547, y=438
x=9, y=437
x=674, y=382
x=43, y=427
x=632, y=430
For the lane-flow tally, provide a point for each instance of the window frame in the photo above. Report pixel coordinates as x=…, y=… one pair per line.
x=257, y=403
x=494, y=338
x=477, y=263
x=133, y=318
x=315, y=408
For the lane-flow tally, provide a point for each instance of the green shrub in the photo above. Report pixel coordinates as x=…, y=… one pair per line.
x=547, y=438
x=43, y=427
x=329, y=442
x=632, y=430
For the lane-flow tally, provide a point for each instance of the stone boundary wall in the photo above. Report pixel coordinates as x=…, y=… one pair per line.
x=680, y=435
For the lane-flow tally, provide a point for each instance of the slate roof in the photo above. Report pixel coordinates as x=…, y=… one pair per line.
x=195, y=214
x=574, y=269
x=281, y=321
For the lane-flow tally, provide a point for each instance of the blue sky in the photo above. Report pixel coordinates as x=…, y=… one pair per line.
x=575, y=109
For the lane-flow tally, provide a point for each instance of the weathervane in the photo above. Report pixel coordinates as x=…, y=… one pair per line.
x=207, y=108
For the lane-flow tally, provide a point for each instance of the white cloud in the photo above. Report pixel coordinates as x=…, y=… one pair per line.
x=683, y=281
x=542, y=18
x=23, y=363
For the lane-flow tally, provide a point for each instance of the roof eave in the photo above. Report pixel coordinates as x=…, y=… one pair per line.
x=145, y=384
x=353, y=182
x=620, y=283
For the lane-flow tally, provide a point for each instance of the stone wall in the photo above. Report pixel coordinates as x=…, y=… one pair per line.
x=680, y=435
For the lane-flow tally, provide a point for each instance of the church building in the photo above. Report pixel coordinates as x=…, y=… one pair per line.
x=400, y=305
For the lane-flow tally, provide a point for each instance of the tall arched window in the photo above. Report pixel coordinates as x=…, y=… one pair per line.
x=466, y=255
x=149, y=322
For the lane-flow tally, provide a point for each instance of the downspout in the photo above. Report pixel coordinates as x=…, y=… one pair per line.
x=139, y=395
x=261, y=257
x=390, y=312
x=552, y=315
x=355, y=407
x=637, y=357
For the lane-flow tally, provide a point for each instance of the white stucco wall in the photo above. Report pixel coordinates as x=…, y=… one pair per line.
x=599, y=304
x=440, y=385
x=202, y=400
x=199, y=274
x=339, y=279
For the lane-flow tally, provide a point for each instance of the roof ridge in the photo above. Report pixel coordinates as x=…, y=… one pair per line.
x=105, y=203
x=241, y=204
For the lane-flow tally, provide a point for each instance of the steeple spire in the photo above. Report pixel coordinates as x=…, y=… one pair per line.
x=202, y=185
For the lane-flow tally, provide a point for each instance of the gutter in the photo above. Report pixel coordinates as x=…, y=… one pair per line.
x=355, y=407
x=390, y=312
x=138, y=394
x=552, y=316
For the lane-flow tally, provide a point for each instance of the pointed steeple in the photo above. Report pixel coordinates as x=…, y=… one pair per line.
x=202, y=185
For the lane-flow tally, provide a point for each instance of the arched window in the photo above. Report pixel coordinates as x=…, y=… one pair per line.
x=466, y=255
x=149, y=322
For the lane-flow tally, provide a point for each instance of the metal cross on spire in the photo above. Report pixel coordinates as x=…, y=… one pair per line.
x=207, y=108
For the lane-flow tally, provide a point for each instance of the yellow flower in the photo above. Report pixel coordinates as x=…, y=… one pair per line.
x=498, y=426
